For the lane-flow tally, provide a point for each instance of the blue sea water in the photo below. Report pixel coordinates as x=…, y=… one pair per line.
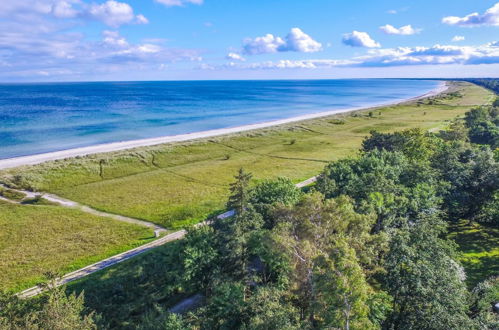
x=39, y=118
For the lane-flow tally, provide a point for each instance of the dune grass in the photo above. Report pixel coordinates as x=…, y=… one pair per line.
x=179, y=184
x=39, y=239
x=479, y=247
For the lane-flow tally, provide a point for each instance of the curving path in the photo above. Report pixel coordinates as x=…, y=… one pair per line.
x=85, y=271
x=75, y=205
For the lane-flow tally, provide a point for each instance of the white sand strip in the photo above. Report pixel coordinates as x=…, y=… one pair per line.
x=115, y=146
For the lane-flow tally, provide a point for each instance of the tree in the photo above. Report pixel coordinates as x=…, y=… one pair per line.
x=226, y=307
x=239, y=192
x=200, y=257
x=414, y=143
x=426, y=283
x=483, y=298
x=342, y=290
x=56, y=311
x=456, y=131
x=483, y=125
x=310, y=233
x=270, y=308
x=268, y=193
x=472, y=175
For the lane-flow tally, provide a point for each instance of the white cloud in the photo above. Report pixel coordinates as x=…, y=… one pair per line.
x=490, y=17
x=299, y=41
x=359, y=39
x=392, y=12
x=493, y=44
x=141, y=19
x=263, y=45
x=114, y=39
x=171, y=3
x=458, y=38
x=295, y=41
x=403, y=30
x=235, y=56
x=114, y=13
x=64, y=9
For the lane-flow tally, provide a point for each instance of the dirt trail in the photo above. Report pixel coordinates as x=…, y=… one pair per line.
x=85, y=271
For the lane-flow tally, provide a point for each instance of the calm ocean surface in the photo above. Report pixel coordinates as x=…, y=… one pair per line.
x=39, y=118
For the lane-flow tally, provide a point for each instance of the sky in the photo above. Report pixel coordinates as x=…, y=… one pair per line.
x=109, y=40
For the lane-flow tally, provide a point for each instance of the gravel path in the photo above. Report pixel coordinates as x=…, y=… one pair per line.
x=85, y=271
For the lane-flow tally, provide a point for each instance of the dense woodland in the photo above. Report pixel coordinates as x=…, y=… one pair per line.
x=364, y=248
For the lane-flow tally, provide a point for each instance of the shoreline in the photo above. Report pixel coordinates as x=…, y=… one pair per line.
x=124, y=145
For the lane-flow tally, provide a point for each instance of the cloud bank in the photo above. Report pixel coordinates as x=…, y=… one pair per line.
x=393, y=57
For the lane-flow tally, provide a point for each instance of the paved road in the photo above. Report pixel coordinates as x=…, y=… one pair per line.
x=85, y=271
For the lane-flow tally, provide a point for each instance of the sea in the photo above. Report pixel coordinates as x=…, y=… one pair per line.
x=38, y=118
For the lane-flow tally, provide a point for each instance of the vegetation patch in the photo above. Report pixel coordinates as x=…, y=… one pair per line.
x=479, y=247
x=12, y=194
x=39, y=239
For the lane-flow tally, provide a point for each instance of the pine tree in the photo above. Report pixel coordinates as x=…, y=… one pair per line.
x=239, y=192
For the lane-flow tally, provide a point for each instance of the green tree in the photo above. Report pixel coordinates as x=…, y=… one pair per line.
x=200, y=258
x=55, y=311
x=414, y=143
x=239, y=192
x=341, y=289
x=483, y=298
x=270, y=308
x=473, y=177
x=426, y=283
x=226, y=307
x=456, y=131
x=268, y=193
x=309, y=232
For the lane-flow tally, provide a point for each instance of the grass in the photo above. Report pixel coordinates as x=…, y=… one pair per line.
x=38, y=239
x=12, y=194
x=179, y=184
x=479, y=247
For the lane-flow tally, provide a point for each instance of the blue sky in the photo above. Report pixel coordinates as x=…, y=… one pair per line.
x=81, y=40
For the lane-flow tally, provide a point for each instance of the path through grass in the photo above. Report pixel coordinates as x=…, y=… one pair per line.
x=39, y=239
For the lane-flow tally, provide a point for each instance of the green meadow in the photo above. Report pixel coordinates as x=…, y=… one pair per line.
x=179, y=184
x=38, y=239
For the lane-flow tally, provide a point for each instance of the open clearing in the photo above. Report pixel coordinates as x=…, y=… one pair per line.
x=39, y=239
x=178, y=184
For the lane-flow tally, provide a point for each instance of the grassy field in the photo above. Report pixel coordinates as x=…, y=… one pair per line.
x=39, y=239
x=178, y=184
x=479, y=247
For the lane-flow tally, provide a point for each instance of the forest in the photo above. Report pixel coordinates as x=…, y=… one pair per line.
x=366, y=247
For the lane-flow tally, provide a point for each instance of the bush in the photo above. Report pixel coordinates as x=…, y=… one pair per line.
x=12, y=194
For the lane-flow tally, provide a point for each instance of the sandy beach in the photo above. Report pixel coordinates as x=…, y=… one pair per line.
x=123, y=145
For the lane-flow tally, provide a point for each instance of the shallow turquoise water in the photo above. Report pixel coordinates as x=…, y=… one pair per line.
x=39, y=118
